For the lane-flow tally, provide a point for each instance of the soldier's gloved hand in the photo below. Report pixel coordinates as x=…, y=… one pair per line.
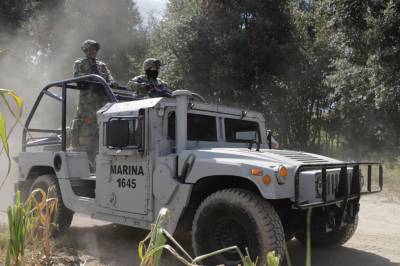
x=148, y=87
x=114, y=85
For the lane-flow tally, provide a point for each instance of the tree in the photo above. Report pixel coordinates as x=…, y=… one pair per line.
x=60, y=30
x=243, y=53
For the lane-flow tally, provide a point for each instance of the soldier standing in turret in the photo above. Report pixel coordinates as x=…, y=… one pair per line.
x=84, y=135
x=149, y=85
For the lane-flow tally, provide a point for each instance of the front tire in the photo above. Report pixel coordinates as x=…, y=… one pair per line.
x=330, y=239
x=62, y=216
x=236, y=217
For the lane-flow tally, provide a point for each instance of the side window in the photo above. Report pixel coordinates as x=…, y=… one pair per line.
x=237, y=130
x=202, y=127
x=199, y=127
x=124, y=132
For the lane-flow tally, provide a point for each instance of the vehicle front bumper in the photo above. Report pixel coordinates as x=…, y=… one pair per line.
x=349, y=187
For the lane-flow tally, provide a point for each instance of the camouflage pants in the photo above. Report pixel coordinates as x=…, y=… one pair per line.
x=85, y=138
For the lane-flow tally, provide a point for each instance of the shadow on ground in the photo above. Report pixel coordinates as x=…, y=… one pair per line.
x=117, y=245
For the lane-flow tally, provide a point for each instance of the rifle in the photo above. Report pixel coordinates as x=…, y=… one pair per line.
x=159, y=90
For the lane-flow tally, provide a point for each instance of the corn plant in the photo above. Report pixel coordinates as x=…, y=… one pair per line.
x=19, y=221
x=43, y=210
x=150, y=255
x=3, y=131
x=30, y=223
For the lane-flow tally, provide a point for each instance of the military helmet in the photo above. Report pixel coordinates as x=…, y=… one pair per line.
x=151, y=62
x=90, y=43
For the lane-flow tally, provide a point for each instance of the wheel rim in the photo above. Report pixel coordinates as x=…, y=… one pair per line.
x=230, y=232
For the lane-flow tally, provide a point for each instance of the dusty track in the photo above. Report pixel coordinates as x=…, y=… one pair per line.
x=376, y=242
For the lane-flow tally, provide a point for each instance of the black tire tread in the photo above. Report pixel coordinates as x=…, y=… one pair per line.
x=268, y=219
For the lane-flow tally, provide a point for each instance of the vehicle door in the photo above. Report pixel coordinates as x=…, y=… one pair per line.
x=126, y=185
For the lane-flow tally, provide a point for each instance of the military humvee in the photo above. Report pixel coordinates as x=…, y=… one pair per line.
x=211, y=165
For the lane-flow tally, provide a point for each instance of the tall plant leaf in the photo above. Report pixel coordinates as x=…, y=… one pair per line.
x=3, y=137
x=3, y=132
x=17, y=99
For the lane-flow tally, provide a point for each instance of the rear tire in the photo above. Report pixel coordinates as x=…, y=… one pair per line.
x=62, y=216
x=331, y=239
x=236, y=217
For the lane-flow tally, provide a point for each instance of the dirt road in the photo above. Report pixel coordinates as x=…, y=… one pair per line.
x=377, y=241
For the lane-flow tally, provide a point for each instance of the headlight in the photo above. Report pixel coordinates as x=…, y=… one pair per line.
x=280, y=173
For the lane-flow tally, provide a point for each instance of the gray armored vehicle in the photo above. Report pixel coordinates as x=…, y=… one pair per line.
x=211, y=165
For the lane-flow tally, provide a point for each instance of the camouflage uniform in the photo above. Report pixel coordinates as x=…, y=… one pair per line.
x=84, y=130
x=143, y=85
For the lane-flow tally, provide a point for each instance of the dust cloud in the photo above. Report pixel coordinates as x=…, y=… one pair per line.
x=46, y=48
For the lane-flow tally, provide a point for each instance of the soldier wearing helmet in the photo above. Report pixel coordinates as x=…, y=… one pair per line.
x=149, y=85
x=84, y=135
x=90, y=64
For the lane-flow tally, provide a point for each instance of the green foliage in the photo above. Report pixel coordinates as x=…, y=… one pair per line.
x=272, y=259
x=30, y=222
x=43, y=26
x=150, y=255
x=19, y=222
x=324, y=73
x=3, y=131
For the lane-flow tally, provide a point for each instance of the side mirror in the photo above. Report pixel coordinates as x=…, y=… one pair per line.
x=272, y=143
x=125, y=132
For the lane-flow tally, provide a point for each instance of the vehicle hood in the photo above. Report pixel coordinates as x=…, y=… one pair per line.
x=286, y=157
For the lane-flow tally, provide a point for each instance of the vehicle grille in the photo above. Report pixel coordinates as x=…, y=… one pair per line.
x=332, y=183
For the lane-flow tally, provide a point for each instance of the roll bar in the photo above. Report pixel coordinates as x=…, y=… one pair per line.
x=64, y=84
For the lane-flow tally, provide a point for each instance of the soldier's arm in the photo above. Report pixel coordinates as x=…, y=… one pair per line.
x=77, y=69
x=110, y=77
x=137, y=85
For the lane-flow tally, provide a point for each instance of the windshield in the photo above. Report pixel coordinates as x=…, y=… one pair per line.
x=237, y=130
